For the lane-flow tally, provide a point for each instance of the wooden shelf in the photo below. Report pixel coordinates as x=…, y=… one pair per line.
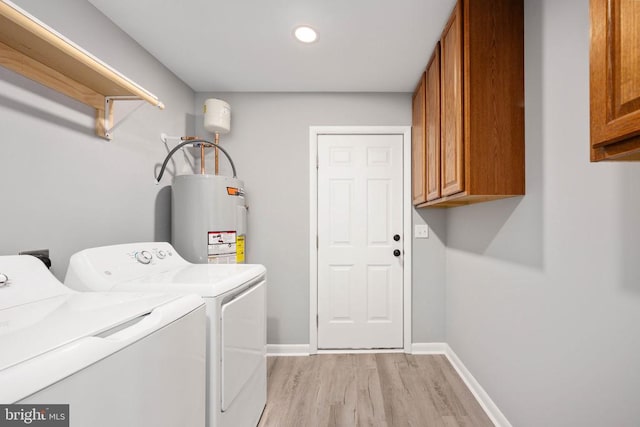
x=31, y=48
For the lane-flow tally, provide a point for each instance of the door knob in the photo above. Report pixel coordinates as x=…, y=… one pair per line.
x=396, y=237
x=396, y=252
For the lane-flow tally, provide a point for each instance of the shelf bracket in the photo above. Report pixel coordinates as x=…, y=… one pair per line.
x=104, y=120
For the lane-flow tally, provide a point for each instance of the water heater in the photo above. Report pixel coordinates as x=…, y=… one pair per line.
x=208, y=218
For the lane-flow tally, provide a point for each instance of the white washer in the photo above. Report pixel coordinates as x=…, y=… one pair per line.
x=234, y=296
x=118, y=359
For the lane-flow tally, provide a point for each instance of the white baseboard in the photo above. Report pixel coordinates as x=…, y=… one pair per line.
x=287, y=349
x=492, y=410
x=429, y=348
x=362, y=351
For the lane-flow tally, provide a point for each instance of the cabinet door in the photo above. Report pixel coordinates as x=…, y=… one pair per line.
x=615, y=78
x=417, y=145
x=452, y=155
x=432, y=112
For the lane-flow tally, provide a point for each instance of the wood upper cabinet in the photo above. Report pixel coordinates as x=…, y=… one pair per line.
x=432, y=113
x=417, y=145
x=480, y=104
x=615, y=79
x=451, y=71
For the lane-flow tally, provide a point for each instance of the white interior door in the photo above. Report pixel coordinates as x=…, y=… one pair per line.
x=360, y=278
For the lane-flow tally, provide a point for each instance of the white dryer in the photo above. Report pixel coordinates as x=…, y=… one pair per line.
x=235, y=299
x=117, y=359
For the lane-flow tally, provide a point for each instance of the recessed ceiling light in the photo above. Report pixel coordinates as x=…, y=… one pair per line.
x=305, y=34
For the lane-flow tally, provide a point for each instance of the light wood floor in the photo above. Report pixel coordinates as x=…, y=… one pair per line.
x=368, y=390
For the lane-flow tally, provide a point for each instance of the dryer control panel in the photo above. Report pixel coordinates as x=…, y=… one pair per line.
x=144, y=255
x=104, y=267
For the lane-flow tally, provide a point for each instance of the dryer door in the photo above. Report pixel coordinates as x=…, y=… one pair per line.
x=244, y=341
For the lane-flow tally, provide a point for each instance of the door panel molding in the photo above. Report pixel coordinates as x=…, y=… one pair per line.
x=314, y=132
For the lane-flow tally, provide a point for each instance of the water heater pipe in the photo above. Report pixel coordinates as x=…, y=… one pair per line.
x=216, y=142
x=202, y=172
x=202, y=143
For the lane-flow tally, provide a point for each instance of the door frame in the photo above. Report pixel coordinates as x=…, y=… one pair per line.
x=407, y=208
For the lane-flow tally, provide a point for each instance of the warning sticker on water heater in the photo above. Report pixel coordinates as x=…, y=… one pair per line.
x=240, y=248
x=221, y=244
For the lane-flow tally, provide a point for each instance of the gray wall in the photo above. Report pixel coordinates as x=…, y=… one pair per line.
x=269, y=142
x=62, y=187
x=429, y=267
x=543, y=291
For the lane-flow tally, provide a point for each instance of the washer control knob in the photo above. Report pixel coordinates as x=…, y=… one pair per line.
x=161, y=254
x=144, y=257
x=4, y=279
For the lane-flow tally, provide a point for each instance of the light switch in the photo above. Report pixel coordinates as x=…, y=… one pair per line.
x=421, y=231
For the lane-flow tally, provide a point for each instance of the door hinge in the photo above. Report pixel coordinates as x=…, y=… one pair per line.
x=317, y=242
x=317, y=321
x=317, y=162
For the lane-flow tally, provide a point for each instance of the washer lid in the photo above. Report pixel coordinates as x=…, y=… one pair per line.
x=207, y=280
x=28, y=281
x=32, y=329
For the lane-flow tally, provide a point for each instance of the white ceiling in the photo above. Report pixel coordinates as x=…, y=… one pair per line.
x=247, y=45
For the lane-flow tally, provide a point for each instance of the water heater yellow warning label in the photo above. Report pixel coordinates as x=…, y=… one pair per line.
x=240, y=249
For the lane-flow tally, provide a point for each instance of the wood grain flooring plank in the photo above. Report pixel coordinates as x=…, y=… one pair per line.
x=441, y=391
x=473, y=412
x=327, y=370
x=342, y=396
x=370, y=401
x=278, y=369
x=396, y=405
x=303, y=400
x=422, y=411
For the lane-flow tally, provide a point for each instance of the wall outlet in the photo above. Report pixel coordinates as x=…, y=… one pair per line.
x=421, y=231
